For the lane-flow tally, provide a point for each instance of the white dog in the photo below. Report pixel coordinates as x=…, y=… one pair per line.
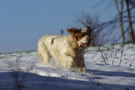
x=68, y=50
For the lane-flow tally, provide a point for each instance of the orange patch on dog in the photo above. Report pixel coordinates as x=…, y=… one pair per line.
x=77, y=34
x=52, y=41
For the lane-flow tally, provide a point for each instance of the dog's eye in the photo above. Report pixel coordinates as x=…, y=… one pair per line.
x=87, y=33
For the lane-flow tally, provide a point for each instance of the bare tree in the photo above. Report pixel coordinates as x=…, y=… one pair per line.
x=130, y=22
x=103, y=33
x=120, y=11
x=125, y=18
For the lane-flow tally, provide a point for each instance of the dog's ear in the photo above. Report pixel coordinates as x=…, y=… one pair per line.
x=73, y=30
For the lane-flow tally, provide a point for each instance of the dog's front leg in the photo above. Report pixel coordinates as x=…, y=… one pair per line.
x=81, y=65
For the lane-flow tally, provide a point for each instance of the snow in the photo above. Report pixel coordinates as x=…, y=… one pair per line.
x=26, y=71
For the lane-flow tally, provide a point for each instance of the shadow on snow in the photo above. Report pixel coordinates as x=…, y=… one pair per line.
x=18, y=80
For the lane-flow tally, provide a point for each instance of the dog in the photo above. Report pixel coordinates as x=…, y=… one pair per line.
x=68, y=50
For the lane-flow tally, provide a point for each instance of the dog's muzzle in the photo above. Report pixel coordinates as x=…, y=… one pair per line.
x=85, y=45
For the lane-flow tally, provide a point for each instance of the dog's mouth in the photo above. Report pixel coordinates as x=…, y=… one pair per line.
x=85, y=45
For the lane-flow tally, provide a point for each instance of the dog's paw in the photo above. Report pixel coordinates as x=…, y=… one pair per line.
x=82, y=70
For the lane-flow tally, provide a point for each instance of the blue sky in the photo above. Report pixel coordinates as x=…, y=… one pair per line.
x=23, y=22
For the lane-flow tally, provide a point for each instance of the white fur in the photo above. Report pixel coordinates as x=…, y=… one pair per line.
x=64, y=49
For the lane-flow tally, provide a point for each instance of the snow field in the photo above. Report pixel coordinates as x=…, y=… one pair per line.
x=26, y=71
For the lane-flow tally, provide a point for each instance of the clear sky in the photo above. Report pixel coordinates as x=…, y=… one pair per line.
x=23, y=22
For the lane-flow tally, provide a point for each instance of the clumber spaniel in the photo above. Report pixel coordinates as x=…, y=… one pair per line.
x=68, y=50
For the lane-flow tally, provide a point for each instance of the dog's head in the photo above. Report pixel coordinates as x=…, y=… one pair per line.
x=81, y=36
